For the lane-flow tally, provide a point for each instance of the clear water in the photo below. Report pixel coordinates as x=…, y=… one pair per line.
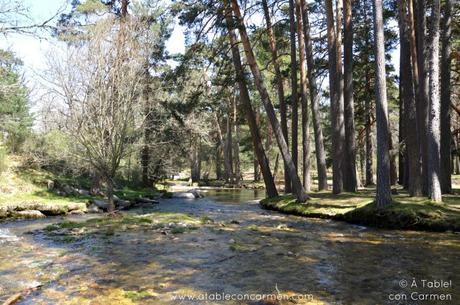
x=246, y=250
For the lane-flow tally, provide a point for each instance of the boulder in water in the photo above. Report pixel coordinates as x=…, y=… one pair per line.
x=192, y=194
x=92, y=208
x=101, y=204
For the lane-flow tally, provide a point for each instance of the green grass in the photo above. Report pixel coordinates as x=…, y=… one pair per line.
x=138, y=295
x=404, y=213
x=27, y=188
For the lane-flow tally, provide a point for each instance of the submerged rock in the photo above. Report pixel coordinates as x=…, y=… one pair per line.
x=102, y=204
x=192, y=194
x=123, y=204
x=146, y=200
x=92, y=208
x=184, y=195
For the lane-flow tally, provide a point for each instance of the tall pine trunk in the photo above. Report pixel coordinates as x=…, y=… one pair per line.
x=446, y=137
x=297, y=187
x=303, y=100
x=368, y=132
x=223, y=147
x=434, y=131
x=236, y=145
x=279, y=86
x=314, y=101
x=383, y=194
x=411, y=137
x=350, y=181
x=294, y=91
x=423, y=94
x=229, y=140
x=336, y=107
x=259, y=150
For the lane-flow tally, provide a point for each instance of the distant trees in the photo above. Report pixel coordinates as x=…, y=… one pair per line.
x=15, y=119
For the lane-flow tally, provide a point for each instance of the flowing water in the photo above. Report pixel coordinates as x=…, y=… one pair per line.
x=244, y=253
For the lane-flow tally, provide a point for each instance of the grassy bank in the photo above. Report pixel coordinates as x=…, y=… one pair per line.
x=24, y=189
x=359, y=208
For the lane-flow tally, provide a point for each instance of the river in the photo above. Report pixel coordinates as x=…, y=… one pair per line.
x=245, y=254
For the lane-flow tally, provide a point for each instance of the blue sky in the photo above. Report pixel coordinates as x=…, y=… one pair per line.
x=33, y=50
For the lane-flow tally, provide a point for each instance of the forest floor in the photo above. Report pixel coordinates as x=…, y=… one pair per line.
x=403, y=213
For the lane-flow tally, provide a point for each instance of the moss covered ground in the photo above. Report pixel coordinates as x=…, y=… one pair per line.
x=403, y=213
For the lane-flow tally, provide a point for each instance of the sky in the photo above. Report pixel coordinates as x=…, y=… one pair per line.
x=33, y=50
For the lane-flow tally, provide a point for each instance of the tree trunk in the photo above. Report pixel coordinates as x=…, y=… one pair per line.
x=229, y=142
x=297, y=187
x=446, y=137
x=111, y=202
x=275, y=169
x=411, y=137
x=420, y=104
x=124, y=8
x=368, y=131
x=457, y=156
x=402, y=157
x=148, y=125
x=336, y=106
x=434, y=134
x=423, y=98
x=280, y=88
x=294, y=93
x=96, y=184
x=350, y=181
x=256, y=170
x=393, y=167
x=383, y=194
x=362, y=158
x=304, y=101
x=195, y=162
x=236, y=146
x=314, y=100
x=259, y=150
x=218, y=161
x=223, y=146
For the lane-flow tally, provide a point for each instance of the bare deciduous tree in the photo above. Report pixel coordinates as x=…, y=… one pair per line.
x=100, y=88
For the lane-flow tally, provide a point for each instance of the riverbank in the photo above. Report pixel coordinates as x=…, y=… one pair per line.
x=27, y=192
x=358, y=208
